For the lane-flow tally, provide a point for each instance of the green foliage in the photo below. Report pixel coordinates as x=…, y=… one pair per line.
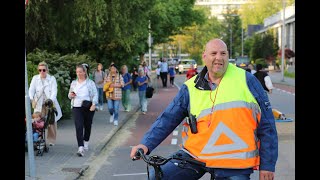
x=262, y=62
x=264, y=46
x=289, y=74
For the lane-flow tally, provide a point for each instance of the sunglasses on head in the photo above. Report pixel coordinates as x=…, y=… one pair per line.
x=43, y=70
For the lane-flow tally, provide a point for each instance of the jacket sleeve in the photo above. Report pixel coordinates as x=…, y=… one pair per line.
x=32, y=88
x=94, y=91
x=168, y=120
x=54, y=88
x=266, y=131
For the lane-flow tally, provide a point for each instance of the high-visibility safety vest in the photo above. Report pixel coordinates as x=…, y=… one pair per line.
x=227, y=131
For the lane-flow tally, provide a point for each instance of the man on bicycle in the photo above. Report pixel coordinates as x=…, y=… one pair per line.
x=231, y=127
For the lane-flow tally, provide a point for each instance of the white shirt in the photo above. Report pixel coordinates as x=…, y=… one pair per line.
x=82, y=93
x=268, y=82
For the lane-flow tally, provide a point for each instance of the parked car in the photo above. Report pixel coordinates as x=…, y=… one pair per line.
x=185, y=65
x=232, y=61
x=242, y=61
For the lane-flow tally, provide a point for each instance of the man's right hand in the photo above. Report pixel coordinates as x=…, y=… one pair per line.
x=135, y=148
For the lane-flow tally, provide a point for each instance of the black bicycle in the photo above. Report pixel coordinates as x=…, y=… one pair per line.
x=156, y=161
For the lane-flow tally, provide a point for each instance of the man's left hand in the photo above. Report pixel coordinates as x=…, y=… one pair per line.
x=266, y=175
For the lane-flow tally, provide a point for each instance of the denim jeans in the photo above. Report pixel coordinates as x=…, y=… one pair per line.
x=100, y=96
x=172, y=172
x=113, y=106
x=143, y=101
x=126, y=102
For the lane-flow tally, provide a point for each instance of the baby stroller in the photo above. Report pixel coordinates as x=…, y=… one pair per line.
x=38, y=134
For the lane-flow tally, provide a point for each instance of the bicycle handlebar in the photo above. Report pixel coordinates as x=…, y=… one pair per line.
x=158, y=160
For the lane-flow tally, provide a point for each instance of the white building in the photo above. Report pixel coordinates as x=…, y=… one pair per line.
x=219, y=7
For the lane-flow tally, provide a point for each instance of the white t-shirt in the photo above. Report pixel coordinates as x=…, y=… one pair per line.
x=268, y=82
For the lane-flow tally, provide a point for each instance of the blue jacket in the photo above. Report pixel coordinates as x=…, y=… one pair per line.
x=177, y=110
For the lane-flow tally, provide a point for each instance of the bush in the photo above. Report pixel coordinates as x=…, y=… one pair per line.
x=262, y=62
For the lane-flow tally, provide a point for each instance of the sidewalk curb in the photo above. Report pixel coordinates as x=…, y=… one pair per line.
x=102, y=145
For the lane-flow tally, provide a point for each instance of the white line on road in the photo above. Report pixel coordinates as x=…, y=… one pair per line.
x=175, y=133
x=133, y=174
x=174, y=141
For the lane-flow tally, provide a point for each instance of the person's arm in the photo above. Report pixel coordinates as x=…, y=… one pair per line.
x=266, y=130
x=268, y=83
x=54, y=88
x=168, y=120
x=32, y=88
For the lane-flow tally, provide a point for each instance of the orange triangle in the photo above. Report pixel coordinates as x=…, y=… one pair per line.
x=223, y=140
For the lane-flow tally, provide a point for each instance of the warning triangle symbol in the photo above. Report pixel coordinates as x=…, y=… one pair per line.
x=214, y=146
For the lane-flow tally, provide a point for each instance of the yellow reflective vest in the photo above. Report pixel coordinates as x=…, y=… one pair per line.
x=227, y=128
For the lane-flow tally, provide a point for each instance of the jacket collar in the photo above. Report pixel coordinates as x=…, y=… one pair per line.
x=200, y=81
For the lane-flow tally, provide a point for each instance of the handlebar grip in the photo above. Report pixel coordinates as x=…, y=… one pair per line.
x=138, y=154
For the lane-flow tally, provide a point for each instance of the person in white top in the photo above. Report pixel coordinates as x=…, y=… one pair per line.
x=250, y=66
x=42, y=87
x=80, y=90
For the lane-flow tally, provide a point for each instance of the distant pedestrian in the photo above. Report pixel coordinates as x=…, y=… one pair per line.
x=126, y=90
x=81, y=89
x=264, y=79
x=142, y=82
x=146, y=69
x=158, y=72
x=250, y=66
x=98, y=77
x=191, y=72
x=164, y=68
x=134, y=75
x=172, y=74
x=116, y=82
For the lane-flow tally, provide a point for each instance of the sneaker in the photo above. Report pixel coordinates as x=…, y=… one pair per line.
x=51, y=144
x=115, y=123
x=144, y=112
x=80, y=151
x=86, y=145
x=111, y=118
x=101, y=108
x=127, y=110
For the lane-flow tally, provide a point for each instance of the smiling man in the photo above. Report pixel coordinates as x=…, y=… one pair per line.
x=234, y=129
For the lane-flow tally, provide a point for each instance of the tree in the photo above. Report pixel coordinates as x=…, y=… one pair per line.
x=264, y=46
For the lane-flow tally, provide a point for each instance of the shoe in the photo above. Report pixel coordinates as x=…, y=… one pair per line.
x=86, y=145
x=144, y=112
x=111, y=118
x=80, y=151
x=51, y=144
x=127, y=110
x=101, y=108
x=115, y=123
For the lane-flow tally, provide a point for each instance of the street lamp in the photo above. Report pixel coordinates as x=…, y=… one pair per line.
x=283, y=39
x=149, y=43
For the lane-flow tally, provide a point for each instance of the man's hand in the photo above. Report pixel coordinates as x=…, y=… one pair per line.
x=266, y=175
x=135, y=148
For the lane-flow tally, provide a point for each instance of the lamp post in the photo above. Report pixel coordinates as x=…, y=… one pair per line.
x=149, y=43
x=283, y=39
x=231, y=41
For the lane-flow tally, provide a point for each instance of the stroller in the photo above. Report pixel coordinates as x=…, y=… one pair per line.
x=39, y=127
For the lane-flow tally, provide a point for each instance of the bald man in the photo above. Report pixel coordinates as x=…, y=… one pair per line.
x=234, y=130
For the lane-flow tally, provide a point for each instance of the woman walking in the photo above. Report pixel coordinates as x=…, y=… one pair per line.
x=81, y=90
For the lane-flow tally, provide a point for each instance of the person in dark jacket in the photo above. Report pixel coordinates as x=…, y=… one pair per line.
x=236, y=129
x=264, y=79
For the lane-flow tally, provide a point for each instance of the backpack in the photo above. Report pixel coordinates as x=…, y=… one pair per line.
x=149, y=92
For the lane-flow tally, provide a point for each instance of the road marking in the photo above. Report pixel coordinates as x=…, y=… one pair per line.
x=174, y=141
x=133, y=174
x=175, y=133
x=281, y=90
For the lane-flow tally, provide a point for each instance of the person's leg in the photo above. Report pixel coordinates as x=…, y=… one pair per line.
x=87, y=125
x=144, y=101
x=111, y=109
x=236, y=177
x=52, y=133
x=116, y=105
x=128, y=102
x=141, y=94
x=123, y=100
x=162, y=78
x=78, y=122
x=165, y=78
x=100, y=98
x=172, y=172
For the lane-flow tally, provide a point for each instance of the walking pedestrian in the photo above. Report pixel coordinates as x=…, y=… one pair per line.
x=42, y=87
x=171, y=74
x=98, y=77
x=134, y=75
x=233, y=128
x=116, y=82
x=164, y=68
x=126, y=90
x=264, y=79
x=142, y=82
x=81, y=90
